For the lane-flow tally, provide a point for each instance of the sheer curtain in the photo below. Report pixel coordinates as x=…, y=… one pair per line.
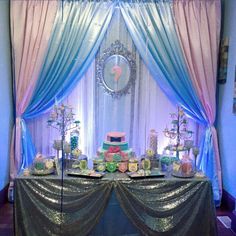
x=193, y=89
x=199, y=37
x=144, y=108
x=29, y=46
x=50, y=58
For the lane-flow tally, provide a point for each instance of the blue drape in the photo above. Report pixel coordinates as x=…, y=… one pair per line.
x=77, y=34
x=27, y=146
x=207, y=162
x=78, y=31
x=152, y=27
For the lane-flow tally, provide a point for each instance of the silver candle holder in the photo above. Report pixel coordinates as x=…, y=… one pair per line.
x=179, y=131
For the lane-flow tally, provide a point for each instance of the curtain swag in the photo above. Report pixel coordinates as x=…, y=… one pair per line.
x=50, y=58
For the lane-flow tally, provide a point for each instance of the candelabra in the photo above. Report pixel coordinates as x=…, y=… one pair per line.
x=62, y=119
x=178, y=131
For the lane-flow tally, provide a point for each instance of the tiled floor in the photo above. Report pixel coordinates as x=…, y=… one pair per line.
x=222, y=231
x=6, y=222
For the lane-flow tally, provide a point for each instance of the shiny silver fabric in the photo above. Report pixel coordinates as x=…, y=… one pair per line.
x=155, y=206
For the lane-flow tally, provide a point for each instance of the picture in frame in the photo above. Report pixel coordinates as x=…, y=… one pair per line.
x=223, y=60
x=234, y=96
x=116, y=70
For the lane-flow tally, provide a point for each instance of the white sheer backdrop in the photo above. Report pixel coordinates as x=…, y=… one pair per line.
x=145, y=108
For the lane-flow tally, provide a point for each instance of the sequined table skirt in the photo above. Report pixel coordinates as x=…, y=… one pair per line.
x=152, y=206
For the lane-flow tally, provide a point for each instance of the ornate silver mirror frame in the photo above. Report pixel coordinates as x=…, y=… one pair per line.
x=116, y=70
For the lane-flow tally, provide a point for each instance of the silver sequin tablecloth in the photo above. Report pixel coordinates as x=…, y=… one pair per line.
x=164, y=206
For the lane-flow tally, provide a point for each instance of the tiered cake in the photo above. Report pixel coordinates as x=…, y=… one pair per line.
x=115, y=148
x=114, y=151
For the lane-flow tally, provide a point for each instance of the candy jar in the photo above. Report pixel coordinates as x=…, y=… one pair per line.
x=123, y=166
x=152, y=140
x=111, y=166
x=186, y=166
x=133, y=165
x=101, y=166
x=165, y=162
x=74, y=139
x=146, y=164
x=83, y=165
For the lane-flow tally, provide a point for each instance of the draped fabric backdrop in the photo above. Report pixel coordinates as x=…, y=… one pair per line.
x=29, y=39
x=157, y=34
x=144, y=108
x=64, y=63
x=155, y=23
x=200, y=40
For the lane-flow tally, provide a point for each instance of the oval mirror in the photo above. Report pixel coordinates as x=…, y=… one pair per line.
x=116, y=70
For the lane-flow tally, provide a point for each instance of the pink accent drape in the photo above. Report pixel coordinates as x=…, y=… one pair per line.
x=198, y=25
x=31, y=25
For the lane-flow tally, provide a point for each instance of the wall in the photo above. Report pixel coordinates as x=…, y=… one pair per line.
x=5, y=94
x=226, y=119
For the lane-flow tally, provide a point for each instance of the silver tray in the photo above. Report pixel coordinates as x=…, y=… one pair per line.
x=182, y=175
x=133, y=175
x=42, y=172
x=78, y=173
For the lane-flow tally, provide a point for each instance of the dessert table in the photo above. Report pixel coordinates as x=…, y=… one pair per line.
x=113, y=205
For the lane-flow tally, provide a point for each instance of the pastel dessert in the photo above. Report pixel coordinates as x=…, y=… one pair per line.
x=111, y=166
x=176, y=167
x=114, y=154
x=42, y=164
x=150, y=153
x=146, y=164
x=186, y=165
x=101, y=167
x=80, y=164
x=186, y=168
x=26, y=172
x=133, y=165
x=115, y=148
x=123, y=167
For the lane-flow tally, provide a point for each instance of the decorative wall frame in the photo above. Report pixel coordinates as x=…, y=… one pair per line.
x=223, y=60
x=234, y=96
x=116, y=70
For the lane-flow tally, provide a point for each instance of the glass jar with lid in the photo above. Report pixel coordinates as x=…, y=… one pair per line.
x=74, y=139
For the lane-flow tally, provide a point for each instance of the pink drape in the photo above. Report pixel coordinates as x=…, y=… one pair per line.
x=198, y=26
x=31, y=25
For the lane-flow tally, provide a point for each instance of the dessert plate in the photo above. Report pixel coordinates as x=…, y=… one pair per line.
x=183, y=175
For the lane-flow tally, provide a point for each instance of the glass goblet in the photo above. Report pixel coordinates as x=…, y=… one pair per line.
x=57, y=146
x=195, y=151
